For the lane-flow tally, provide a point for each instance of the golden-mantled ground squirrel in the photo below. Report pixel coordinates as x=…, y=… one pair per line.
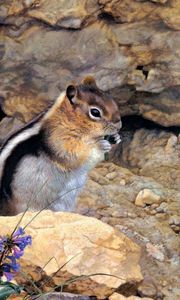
x=45, y=164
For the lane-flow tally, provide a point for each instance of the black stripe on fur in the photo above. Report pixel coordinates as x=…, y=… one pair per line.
x=34, y=145
x=27, y=126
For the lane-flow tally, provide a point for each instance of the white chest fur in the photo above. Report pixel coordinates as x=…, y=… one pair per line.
x=40, y=184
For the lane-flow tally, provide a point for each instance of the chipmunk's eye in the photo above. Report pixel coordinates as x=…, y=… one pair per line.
x=95, y=113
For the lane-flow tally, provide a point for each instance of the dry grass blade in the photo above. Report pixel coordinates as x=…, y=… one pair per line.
x=76, y=278
x=47, y=281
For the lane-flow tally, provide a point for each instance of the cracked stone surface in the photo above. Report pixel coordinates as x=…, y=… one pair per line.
x=131, y=47
x=83, y=245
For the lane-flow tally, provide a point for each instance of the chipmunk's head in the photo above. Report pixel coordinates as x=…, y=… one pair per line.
x=83, y=122
x=94, y=109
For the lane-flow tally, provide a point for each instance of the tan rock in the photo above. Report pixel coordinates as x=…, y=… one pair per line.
x=147, y=196
x=25, y=106
x=86, y=245
x=117, y=296
x=153, y=154
x=111, y=175
x=171, y=144
x=155, y=252
x=130, y=11
x=8, y=126
x=73, y=14
x=154, y=229
x=132, y=43
x=18, y=297
x=174, y=220
x=122, y=182
x=147, y=288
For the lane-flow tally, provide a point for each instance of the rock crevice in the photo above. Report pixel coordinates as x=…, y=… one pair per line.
x=131, y=47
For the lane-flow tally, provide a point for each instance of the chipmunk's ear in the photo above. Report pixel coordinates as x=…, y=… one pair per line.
x=71, y=92
x=89, y=81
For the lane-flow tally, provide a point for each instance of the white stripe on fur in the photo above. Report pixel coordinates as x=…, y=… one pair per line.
x=22, y=136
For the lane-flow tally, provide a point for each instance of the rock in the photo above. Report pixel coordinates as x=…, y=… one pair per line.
x=171, y=144
x=154, y=252
x=111, y=175
x=139, y=200
x=122, y=189
x=18, y=297
x=52, y=296
x=131, y=11
x=147, y=196
x=153, y=153
x=147, y=289
x=157, y=237
x=63, y=296
x=162, y=208
x=127, y=45
x=74, y=14
x=8, y=127
x=174, y=222
x=25, y=107
x=147, y=107
x=117, y=296
x=75, y=242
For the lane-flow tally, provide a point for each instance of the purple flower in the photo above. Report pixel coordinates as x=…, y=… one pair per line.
x=12, y=248
x=13, y=261
x=9, y=276
x=2, y=243
x=19, y=231
x=22, y=242
x=9, y=270
x=17, y=252
x=8, y=267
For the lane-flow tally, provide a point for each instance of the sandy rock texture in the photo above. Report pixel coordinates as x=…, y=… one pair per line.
x=140, y=196
x=117, y=296
x=132, y=48
x=84, y=246
x=152, y=153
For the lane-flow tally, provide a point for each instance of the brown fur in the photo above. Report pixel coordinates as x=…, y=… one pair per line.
x=72, y=133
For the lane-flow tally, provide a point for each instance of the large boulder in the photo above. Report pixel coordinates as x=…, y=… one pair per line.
x=67, y=245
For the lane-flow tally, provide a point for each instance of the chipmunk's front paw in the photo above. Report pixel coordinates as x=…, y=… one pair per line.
x=117, y=138
x=104, y=145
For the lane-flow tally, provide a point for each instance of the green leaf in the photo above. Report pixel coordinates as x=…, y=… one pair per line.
x=7, y=289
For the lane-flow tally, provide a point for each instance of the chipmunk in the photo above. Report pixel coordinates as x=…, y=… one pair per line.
x=45, y=164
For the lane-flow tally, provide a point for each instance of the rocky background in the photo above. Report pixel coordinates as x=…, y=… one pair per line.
x=133, y=50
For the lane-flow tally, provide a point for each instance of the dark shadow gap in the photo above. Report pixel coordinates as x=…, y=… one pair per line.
x=108, y=17
x=132, y=123
x=2, y=114
x=144, y=70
